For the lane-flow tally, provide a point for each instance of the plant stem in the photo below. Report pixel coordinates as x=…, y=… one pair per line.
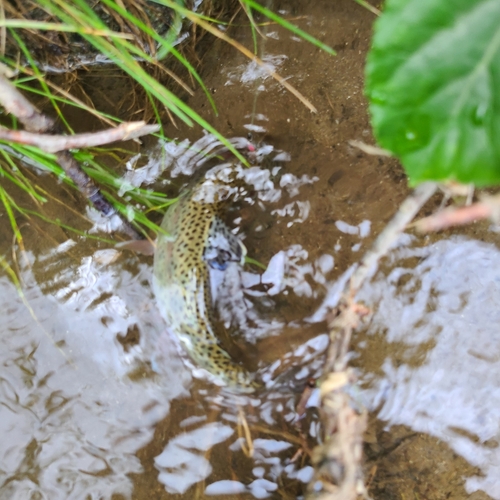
x=34, y=121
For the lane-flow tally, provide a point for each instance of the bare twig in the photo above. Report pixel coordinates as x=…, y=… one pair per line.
x=54, y=143
x=369, y=149
x=488, y=207
x=244, y=431
x=36, y=122
x=338, y=474
x=16, y=104
x=301, y=406
x=3, y=31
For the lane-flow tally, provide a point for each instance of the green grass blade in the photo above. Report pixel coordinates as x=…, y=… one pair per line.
x=59, y=27
x=40, y=78
x=64, y=100
x=253, y=27
x=172, y=35
x=17, y=178
x=368, y=6
x=58, y=223
x=36, y=157
x=289, y=26
x=12, y=275
x=156, y=113
x=196, y=76
x=254, y=262
x=165, y=45
x=8, y=203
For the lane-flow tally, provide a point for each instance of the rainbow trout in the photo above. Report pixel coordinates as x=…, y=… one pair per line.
x=198, y=238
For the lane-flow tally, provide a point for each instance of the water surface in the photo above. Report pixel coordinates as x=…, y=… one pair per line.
x=95, y=399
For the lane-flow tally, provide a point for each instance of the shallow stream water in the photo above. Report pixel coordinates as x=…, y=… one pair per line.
x=95, y=400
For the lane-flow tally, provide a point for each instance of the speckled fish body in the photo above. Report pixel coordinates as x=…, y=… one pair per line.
x=197, y=239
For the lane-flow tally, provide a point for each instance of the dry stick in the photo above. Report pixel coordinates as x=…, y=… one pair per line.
x=488, y=207
x=367, y=148
x=34, y=121
x=338, y=474
x=55, y=143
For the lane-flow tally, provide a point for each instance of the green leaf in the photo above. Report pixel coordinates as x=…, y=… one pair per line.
x=433, y=82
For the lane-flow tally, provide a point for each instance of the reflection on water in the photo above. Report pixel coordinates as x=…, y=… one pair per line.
x=94, y=378
x=71, y=419
x=437, y=309
x=253, y=72
x=181, y=465
x=75, y=412
x=94, y=394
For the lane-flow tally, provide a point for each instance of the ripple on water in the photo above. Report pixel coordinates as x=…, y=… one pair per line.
x=78, y=409
x=445, y=297
x=71, y=419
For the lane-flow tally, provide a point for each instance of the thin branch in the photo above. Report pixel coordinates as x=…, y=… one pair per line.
x=16, y=104
x=487, y=208
x=34, y=121
x=54, y=143
x=338, y=473
x=368, y=148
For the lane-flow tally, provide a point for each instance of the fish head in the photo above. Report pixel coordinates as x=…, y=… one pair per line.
x=222, y=246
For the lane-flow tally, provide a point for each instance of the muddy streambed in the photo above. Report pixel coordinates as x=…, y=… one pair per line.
x=95, y=400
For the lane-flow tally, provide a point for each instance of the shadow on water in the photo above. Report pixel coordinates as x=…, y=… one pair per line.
x=95, y=400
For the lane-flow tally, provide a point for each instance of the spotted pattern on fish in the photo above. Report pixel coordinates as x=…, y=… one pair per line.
x=197, y=238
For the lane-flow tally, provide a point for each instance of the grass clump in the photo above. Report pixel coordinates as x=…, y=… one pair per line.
x=138, y=37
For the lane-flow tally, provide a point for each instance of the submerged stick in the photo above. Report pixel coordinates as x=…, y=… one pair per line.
x=338, y=473
x=36, y=122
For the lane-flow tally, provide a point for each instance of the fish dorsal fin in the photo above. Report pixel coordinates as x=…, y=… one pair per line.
x=222, y=246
